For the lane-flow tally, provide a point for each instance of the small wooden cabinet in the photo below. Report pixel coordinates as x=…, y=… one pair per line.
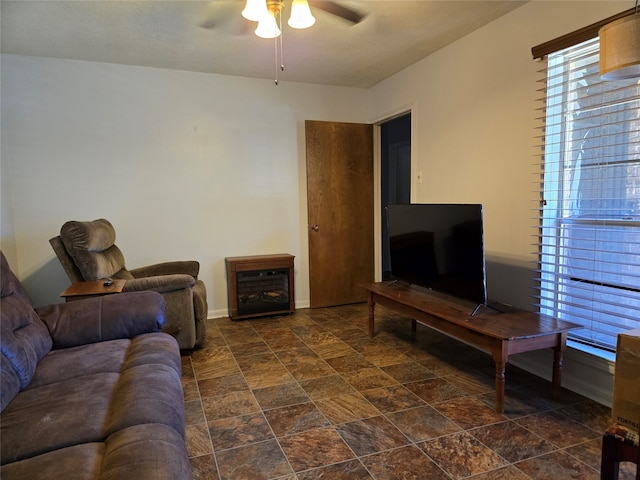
x=260, y=285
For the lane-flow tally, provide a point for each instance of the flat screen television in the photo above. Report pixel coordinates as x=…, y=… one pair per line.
x=440, y=247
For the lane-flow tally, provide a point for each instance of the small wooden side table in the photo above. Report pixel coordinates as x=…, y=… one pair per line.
x=80, y=290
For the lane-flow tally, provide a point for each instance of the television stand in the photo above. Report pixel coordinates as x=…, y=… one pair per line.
x=502, y=334
x=486, y=305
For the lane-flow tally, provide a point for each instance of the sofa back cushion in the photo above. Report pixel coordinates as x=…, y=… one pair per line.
x=9, y=382
x=24, y=339
x=92, y=247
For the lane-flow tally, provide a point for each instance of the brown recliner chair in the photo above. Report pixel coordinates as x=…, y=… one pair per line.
x=88, y=252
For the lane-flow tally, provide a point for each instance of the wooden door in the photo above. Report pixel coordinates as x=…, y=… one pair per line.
x=339, y=211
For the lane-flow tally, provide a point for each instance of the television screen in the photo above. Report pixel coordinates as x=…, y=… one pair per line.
x=439, y=246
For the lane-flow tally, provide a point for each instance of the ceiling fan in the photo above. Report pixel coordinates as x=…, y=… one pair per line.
x=267, y=14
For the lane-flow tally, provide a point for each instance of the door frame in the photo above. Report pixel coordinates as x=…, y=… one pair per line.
x=377, y=176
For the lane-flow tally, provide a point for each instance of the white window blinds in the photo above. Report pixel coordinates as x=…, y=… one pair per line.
x=589, y=230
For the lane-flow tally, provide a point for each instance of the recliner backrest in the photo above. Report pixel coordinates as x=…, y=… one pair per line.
x=92, y=247
x=74, y=274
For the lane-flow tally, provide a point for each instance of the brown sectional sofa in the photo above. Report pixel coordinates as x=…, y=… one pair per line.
x=90, y=389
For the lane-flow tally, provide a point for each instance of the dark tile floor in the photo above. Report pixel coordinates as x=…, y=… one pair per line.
x=310, y=395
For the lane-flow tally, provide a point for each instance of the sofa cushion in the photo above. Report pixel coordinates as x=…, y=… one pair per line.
x=149, y=452
x=56, y=416
x=92, y=247
x=153, y=349
x=90, y=359
x=24, y=339
x=114, y=356
x=79, y=461
x=10, y=383
x=107, y=317
x=147, y=394
x=137, y=382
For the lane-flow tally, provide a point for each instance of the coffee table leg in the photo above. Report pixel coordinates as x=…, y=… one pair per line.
x=500, y=359
x=372, y=307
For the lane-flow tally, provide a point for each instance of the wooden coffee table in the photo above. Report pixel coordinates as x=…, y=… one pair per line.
x=80, y=290
x=501, y=333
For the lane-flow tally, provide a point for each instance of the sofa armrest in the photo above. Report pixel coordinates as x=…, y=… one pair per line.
x=160, y=283
x=98, y=319
x=189, y=267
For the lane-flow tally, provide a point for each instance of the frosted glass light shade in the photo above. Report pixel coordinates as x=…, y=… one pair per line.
x=620, y=49
x=255, y=10
x=301, y=15
x=268, y=27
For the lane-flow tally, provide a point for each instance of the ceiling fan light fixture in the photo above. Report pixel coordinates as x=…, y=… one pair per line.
x=255, y=10
x=301, y=16
x=268, y=27
x=620, y=48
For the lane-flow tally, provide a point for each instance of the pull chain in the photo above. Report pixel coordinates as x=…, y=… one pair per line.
x=275, y=48
x=275, y=56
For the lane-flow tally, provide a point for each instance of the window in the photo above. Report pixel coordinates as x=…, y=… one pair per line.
x=589, y=235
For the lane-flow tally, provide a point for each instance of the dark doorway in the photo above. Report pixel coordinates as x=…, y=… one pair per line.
x=395, y=174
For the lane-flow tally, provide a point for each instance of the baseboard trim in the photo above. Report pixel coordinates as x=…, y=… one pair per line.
x=220, y=313
x=582, y=373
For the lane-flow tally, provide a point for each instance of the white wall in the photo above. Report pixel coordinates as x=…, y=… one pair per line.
x=473, y=112
x=185, y=165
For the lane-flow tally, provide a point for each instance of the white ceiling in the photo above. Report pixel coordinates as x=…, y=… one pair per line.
x=171, y=34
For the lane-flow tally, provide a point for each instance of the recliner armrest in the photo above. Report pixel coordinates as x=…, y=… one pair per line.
x=189, y=267
x=98, y=319
x=160, y=283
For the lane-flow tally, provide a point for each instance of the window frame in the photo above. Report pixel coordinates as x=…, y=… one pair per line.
x=549, y=253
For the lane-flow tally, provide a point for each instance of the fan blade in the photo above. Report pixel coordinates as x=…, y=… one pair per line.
x=334, y=8
x=208, y=23
x=224, y=16
x=219, y=12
